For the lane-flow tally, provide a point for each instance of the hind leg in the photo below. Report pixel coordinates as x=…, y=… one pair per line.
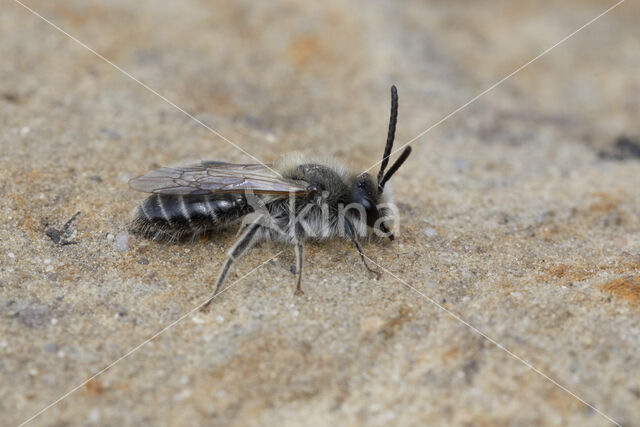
x=246, y=240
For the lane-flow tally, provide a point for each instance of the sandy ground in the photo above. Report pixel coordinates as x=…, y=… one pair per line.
x=519, y=214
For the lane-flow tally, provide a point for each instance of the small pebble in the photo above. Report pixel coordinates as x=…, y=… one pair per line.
x=371, y=324
x=94, y=415
x=11, y=255
x=461, y=164
x=181, y=395
x=25, y=130
x=122, y=241
x=430, y=232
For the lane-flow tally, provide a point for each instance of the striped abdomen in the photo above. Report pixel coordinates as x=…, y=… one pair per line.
x=170, y=216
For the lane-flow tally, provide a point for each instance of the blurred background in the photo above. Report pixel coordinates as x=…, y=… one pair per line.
x=519, y=212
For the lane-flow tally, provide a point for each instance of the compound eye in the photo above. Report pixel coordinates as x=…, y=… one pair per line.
x=367, y=205
x=312, y=191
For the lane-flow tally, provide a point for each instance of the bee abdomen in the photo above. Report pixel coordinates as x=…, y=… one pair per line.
x=171, y=216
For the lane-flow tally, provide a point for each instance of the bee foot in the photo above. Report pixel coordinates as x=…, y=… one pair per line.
x=375, y=274
x=205, y=307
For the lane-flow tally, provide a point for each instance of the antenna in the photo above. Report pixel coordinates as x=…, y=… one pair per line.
x=394, y=168
x=393, y=119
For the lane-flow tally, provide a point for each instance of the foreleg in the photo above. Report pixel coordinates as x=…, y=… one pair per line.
x=351, y=233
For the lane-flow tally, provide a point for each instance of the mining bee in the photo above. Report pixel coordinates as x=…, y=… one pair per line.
x=290, y=201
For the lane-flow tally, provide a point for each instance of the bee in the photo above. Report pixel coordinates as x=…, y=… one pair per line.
x=292, y=201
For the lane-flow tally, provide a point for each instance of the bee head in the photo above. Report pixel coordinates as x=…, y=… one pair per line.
x=365, y=194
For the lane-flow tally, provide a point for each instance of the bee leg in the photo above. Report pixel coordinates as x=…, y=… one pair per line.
x=349, y=228
x=239, y=248
x=299, y=258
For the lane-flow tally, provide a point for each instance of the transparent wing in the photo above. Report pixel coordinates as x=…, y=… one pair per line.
x=216, y=177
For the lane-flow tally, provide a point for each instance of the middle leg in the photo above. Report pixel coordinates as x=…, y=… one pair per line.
x=299, y=260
